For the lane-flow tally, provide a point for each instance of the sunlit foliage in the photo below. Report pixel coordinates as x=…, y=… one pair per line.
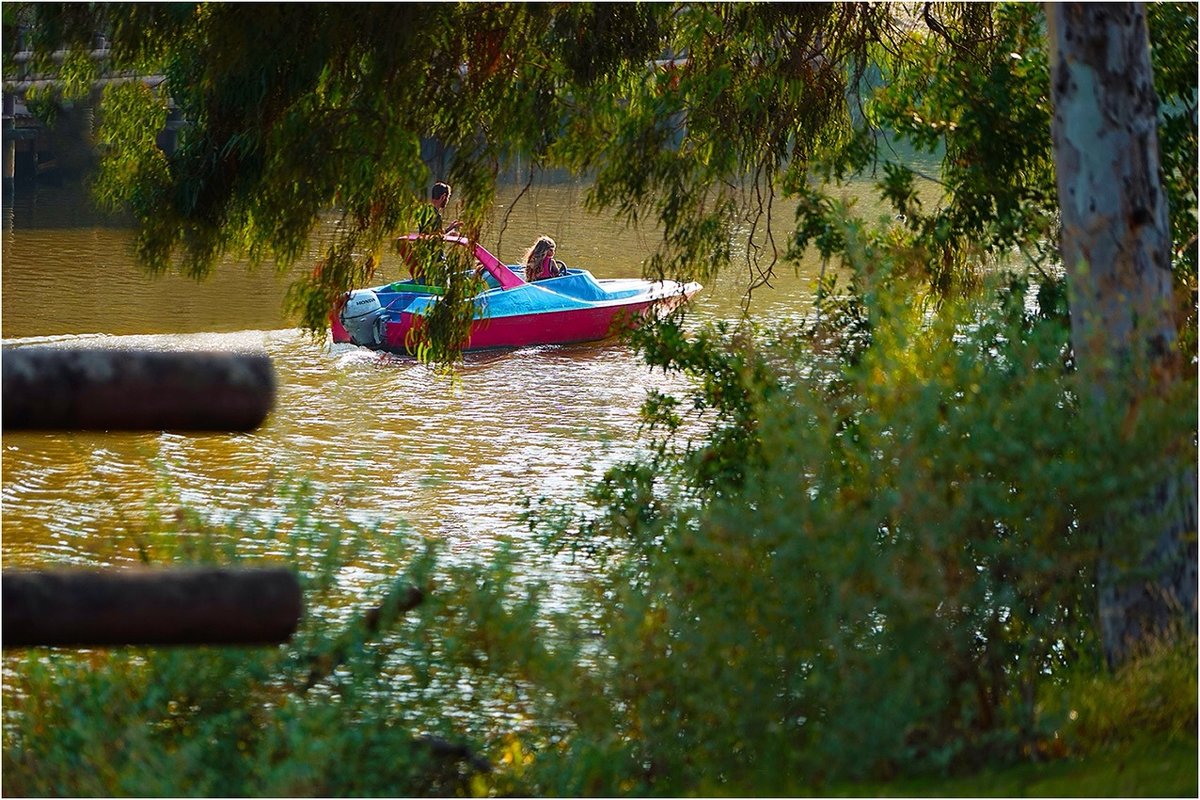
x=867, y=570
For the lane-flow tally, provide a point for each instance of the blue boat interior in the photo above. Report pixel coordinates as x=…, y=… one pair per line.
x=399, y=300
x=577, y=283
x=581, y=285
x=577, y=286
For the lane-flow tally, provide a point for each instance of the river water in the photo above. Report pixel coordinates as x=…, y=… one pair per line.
x=384, y=437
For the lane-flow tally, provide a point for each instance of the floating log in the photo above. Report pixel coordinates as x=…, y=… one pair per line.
x=176, y=606
x=48, y=388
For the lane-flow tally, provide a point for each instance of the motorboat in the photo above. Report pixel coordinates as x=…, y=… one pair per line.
x=509, y=311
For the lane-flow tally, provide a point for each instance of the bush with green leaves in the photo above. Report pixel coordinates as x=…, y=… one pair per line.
x=870, y=568
x=372, y=696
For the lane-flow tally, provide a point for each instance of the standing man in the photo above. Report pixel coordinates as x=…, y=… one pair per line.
x=429, y=223
x=439, y=196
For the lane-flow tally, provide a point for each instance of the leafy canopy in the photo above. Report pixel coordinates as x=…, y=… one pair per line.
x=296, y=112
x=692, y=116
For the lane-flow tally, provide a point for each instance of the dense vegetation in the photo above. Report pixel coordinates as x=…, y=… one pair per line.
x=882, y=558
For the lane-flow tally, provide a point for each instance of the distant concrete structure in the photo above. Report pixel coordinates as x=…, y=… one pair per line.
x=33, y=148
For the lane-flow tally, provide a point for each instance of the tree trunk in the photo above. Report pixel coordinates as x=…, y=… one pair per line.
x=1116, y=248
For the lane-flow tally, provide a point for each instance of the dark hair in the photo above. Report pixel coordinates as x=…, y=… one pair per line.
x=439, y=190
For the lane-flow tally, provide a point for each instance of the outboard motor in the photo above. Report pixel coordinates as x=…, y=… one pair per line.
x=359, y=317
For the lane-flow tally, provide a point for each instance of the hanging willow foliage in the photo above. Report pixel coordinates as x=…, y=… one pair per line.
x=297, y=111
x=692, y=116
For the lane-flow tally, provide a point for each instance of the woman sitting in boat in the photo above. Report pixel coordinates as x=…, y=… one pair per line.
x=540, y=262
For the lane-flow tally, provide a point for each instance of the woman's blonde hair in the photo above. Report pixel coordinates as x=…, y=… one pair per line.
x=535, y=255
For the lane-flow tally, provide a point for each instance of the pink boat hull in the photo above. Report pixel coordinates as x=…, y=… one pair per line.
x=527, y=330
x=561, y=327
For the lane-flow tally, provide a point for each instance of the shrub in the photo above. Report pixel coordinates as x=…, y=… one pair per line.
x=347, y=707
x=868, y=568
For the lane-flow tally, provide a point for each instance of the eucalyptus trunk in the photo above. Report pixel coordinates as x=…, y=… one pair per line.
x=1116, y=248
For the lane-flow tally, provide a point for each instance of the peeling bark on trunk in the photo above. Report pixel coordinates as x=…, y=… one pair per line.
x=1116, y=246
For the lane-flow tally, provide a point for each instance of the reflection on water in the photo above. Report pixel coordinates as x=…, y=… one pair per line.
x=382, y=435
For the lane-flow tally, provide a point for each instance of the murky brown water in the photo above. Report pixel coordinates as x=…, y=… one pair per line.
x=383, y=435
